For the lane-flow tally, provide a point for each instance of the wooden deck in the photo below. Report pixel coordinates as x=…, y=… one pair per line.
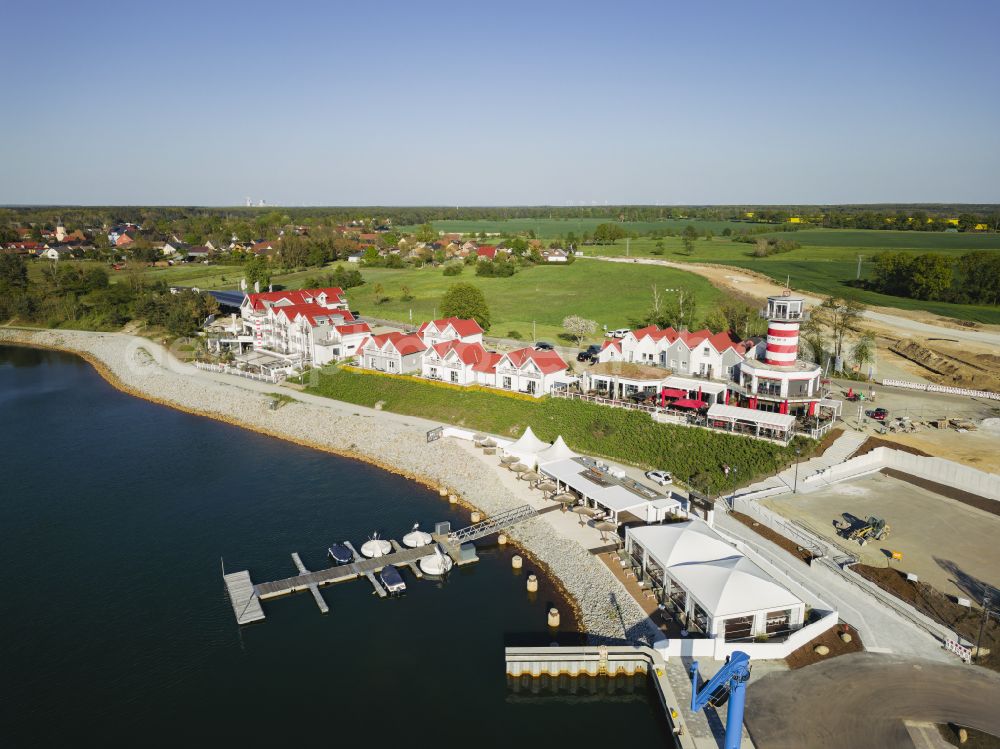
x=246, y=604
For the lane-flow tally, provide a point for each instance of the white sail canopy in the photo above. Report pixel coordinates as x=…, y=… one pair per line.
x=558, y=450
x=526, y=448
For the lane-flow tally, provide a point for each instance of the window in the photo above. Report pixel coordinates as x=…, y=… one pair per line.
x=434, y=371
x=506, y=383
x=531, y=386
x=454, y=376
x=392, y=364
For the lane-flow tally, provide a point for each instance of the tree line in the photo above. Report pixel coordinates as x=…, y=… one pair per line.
x=972, y=278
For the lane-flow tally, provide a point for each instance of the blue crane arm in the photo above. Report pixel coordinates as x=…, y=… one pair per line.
x=738, y=665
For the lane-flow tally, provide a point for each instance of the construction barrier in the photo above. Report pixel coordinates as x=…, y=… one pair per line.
x=931, y=388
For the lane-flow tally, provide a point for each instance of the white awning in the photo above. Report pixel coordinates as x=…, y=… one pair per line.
x=764, y=418
x=526, y=448
x=684, y=383
x=609, y=493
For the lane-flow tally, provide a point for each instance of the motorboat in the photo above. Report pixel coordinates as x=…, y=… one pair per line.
x=340, y=554
x=392, y=580
x=416, y=538
x=375, y=547
x=437, y=563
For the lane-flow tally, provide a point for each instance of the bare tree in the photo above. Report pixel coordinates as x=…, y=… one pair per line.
x=840, y=316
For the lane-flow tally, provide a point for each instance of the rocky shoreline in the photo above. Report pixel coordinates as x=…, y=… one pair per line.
x=146, y=370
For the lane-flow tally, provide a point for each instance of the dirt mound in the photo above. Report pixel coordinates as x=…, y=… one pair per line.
x=948, y=369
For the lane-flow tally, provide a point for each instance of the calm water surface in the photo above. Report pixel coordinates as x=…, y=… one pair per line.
x=116, y=630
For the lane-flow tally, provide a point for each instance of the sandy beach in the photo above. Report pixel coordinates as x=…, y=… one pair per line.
x=397, y=443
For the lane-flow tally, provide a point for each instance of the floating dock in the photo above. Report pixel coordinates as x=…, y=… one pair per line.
x=246, y=596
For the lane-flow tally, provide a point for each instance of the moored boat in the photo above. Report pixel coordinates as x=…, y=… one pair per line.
x=437, y=563
x=392, y=580
x=375, y=547
x=340, y=554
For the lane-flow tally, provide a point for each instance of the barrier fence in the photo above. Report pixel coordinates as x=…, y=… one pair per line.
x=931, y=388
x=223, y=369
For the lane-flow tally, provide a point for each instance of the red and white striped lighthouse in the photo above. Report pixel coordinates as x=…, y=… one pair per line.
x=784, y=315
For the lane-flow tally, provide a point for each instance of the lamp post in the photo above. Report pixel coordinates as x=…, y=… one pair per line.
x=795, y=486
x=982, y=624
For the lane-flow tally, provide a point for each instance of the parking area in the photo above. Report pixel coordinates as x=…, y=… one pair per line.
x=941, y=539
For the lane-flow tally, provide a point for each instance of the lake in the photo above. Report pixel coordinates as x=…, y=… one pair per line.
x=115, y=520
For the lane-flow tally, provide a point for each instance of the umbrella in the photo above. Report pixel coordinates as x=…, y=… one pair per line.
x=519, y=468
x=581, y=511
x=546, y=486
x=478, y=436
x=565, y=499
x=489, y=442
x=605, y=526
x=530, y=476
x=508, y=459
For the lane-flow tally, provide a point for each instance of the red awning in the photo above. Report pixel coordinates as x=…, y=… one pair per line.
x=673, y=393
x=688, y=403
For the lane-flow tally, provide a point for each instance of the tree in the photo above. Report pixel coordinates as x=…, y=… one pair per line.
x=378, y=294
x=931, y=276
x=466, y=301
x=425, y=233
x=579, y=327
x=689, y=235
x=256, y=269
x=404, y=293
x=863, y=351
x=839, y=316
x=608, y=233
x=658, y=249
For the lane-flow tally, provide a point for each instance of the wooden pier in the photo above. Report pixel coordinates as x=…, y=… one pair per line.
x=246, y=596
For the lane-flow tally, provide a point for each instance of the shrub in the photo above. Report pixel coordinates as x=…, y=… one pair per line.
x=514, y=334
x=454, y=269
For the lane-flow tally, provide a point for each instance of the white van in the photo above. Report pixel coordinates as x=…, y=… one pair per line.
x=620, y=333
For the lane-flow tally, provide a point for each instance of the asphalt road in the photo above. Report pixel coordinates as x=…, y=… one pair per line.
x=861, y=700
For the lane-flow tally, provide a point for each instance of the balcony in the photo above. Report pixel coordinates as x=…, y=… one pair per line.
x=784, y=315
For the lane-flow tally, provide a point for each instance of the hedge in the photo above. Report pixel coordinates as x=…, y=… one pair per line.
x=615, y=433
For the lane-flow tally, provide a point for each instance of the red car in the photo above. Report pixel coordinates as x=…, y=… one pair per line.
x=879, y=414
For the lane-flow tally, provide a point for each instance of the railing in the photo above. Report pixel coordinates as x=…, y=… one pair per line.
x=930, y=388
x=226, y=369
x=493, y=524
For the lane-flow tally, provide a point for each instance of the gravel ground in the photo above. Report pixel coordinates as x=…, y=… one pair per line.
x=144, y=369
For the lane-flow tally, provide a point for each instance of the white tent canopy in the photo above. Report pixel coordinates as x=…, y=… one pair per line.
x=679, y=543
x=752, y=416
x=526, y=448
x=732, y=586
x=557, y=451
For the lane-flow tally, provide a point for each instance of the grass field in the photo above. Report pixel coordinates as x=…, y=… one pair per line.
x=546, y=228
x=609, y=293
x=868, y=239
x=628, y=436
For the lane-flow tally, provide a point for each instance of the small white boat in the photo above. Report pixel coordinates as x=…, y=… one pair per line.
x=392, y=580
x=437, y=563
x=416, y=538
x=375, y=547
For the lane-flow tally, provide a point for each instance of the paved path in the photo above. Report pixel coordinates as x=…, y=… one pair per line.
x=835, y=454
x=862, y=700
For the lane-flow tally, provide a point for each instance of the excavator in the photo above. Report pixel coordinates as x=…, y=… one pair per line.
x=871, y=529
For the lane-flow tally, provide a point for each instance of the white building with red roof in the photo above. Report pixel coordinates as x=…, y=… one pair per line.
x=305, y=326
x=530, y=371
x=395, y=353
x=460, y=363
x=450, y=329
x=702, y=353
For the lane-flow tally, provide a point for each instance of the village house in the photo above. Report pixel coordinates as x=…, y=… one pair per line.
x=305, y=325
x=175, y=247
x=530, y=371
x=486, y=252
x=395, y=353
x=460, y=363
x=197, y=253
x=450, y=329
x=701, y=353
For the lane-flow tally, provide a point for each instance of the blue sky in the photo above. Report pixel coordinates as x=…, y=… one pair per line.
x=325, y=103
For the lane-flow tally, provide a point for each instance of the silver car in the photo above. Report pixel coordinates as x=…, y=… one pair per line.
x=660, y=477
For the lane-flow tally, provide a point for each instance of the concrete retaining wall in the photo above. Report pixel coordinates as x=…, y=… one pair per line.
x=938, y=470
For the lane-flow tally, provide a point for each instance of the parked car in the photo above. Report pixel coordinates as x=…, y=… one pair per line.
x=620, y=333
x=589, y=354
x=879, y=414
x=660, y=477
x=543, y=346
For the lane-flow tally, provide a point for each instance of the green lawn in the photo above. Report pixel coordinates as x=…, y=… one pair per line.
x=870, y=239
x=627, y=436
x=609, y=293
x=550, y=228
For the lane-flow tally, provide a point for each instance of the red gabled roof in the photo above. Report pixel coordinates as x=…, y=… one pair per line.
x=469, y=353
x=404, y=343
x=488, y=363
x=354, y=328
x=613, y=344
x=546, y=361
x=462, y=326
x=296, y=297
x=487, y=250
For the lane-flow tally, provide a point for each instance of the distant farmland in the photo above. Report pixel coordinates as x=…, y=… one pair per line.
x=550, y=228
